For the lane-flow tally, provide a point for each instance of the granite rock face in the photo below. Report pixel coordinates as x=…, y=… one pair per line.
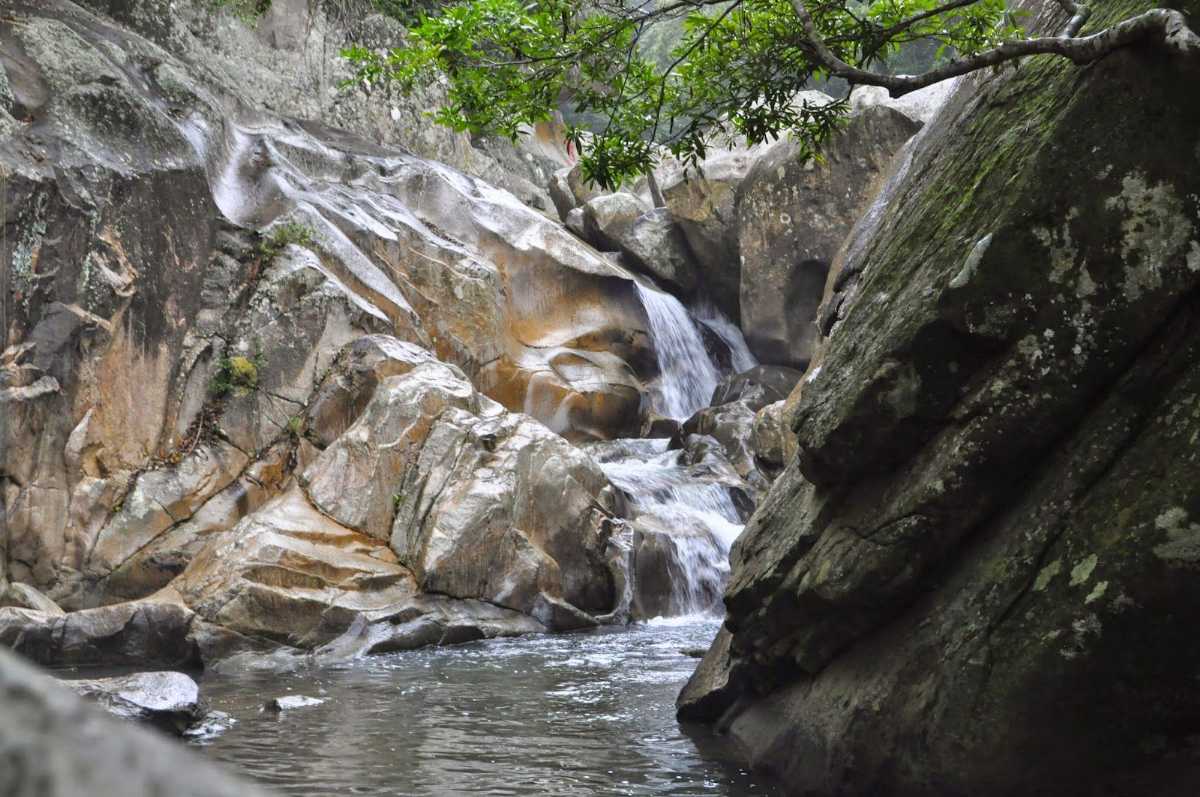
x=977, y=574
x=202, y=297
x=792, y=216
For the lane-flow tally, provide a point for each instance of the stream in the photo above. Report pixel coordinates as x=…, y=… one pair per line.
x=572, y=714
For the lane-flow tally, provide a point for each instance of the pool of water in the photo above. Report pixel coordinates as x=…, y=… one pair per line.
x=576, y=714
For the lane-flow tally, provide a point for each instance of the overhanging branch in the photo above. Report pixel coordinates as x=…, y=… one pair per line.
x=1166, y=25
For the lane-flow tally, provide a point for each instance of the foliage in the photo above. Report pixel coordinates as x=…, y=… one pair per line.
x=282, y=236
x=739, y=64
x=248, y=11
x=237, y=375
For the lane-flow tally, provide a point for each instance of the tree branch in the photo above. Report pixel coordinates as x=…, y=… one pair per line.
x=1167, y=25
x=1079, y=15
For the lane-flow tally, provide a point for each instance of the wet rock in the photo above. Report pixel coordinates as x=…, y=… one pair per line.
x=984, y=546
x=142, y=633
x=757, y=387
x=729, y=427
x=169, y=701
x=677, y=571
x=771, y=440
x=792, y=217
x=56, y=745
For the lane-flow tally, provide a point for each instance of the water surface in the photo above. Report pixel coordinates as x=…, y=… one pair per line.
x=575, y=714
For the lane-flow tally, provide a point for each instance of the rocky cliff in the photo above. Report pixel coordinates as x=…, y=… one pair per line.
x=977, y=574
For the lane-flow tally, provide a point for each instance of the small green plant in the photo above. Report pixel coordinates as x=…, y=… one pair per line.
x=295, y=425
x=281, y=236
x=397, y=502
x=248, y=11
x=237, y=375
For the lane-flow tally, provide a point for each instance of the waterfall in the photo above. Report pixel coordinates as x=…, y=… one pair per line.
x=687, y=374
x=742, y=360
x=695, y=516
x=683, y=512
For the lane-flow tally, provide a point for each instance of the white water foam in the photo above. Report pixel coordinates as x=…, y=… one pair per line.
x=687, y=374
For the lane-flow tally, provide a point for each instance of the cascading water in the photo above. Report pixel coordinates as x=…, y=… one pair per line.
x=687, y=374
x=694, y=514
x=686, y=509
x=708, y=314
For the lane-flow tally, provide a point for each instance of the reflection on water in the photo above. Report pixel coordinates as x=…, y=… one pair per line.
x=576, y=714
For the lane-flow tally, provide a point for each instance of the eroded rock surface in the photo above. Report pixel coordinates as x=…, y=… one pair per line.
x=792, y=216
x=202, y=298
x=976, y=577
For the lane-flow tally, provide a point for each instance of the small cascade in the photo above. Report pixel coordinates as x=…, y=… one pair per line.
x=688, y=376
x=742, y=360
x=673, y=506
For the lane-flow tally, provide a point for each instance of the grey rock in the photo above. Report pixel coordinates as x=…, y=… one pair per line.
x=985, y=545
x=23, y=596
x=169, y=701
x=792, y=216
x=757, y=387
x=139, y=633
x=655, y=245
x=608, y=217
x=57, y=745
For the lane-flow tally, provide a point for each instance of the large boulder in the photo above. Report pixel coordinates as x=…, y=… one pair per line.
x=142, y=633
x=289, y=577
x=757, y=387
x=654, y=244
x=978, y=575
x=702, y=200
x=56, y=745
x=607, y=218
x=477, y=502
x=792, y=215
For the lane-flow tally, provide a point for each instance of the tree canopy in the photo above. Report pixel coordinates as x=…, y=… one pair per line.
x=739, y=65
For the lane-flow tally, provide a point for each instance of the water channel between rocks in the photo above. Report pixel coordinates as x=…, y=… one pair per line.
x=575, y=714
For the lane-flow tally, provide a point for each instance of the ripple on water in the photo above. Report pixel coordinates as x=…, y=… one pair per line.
x=577, y=714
